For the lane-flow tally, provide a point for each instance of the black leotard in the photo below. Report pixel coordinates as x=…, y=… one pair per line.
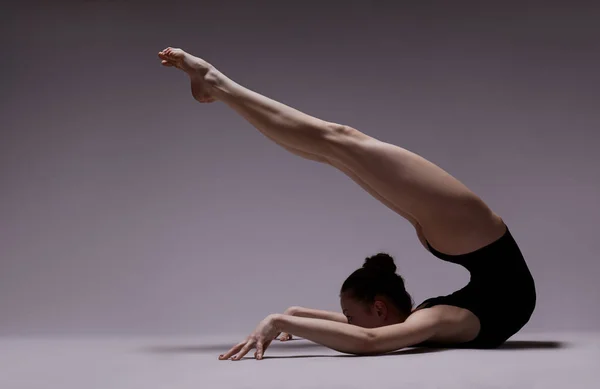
x=501, y=292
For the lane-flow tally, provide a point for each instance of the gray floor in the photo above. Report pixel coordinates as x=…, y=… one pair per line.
x=549, y=360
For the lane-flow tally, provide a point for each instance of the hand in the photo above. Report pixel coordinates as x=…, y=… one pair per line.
x=284, y=337
x=261, y=338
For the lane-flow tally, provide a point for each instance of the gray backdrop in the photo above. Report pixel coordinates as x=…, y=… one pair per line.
x=126, y=207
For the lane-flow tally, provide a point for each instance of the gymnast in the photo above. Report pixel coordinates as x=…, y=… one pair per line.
x=450, y=221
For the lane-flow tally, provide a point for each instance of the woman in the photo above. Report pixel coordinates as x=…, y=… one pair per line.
x=451, y=222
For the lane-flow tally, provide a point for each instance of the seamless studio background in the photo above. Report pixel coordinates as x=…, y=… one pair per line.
x=128, y=208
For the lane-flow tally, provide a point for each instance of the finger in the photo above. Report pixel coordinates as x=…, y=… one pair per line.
x=244, y=351
x=285, y=337
x=264, y=346
x=232, y=351
x=260, y=350
x=261, y=347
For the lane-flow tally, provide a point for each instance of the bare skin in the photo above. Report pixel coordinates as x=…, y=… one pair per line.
x=443, y=210
x=311, y=313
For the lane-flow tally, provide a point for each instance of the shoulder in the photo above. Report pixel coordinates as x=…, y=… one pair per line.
x=421, y=326
x=440, y=324
x=425, y=319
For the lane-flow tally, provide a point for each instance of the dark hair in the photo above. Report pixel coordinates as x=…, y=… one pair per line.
x=378, y=277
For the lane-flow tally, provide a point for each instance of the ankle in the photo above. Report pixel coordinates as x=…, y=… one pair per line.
x=220, y=85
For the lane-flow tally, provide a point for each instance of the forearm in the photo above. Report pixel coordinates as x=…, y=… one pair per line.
x=317, y=314
x=338, y=336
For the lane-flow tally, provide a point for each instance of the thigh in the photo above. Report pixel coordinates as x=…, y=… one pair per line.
x=367, y=188
x=451, y=217
x=354, y=177
x=350, y=174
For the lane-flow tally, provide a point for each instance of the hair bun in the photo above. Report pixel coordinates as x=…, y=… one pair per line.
x=381, y=262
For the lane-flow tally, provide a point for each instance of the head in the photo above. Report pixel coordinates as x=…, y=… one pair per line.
x=374, y=295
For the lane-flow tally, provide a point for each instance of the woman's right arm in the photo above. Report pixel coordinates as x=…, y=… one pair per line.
x=314, y=314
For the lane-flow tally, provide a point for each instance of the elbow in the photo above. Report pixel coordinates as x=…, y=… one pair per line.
x=374, y=344
x=368, y=344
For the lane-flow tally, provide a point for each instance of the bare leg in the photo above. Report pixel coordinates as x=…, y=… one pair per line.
x=451, y=217
x=340, y=166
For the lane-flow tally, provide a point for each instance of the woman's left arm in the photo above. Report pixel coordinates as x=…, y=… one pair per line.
x=342, y=337
x=419, y=327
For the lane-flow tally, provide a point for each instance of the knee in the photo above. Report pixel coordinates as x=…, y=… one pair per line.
x=341, y=138
x=343, y=132
x=343, y=135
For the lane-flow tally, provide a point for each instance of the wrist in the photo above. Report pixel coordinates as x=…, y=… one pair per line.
x=292, y=311
x=276, y=320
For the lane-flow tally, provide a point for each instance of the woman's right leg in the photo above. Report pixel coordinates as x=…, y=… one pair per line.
x=344, y=169
x=444, y=211
x=453, y=219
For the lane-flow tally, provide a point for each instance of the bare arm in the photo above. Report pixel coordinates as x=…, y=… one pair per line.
x=342, y=337
x=316, y=314
x=348, y=338
x=420, y=326
x=311, y=314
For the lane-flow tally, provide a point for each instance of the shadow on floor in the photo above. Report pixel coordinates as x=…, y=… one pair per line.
x=288, y=346
x=531, y=344
x=295, y=344
x=298, y=344
x=408, y=351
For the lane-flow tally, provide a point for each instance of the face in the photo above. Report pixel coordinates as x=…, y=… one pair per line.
x=365, y=315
